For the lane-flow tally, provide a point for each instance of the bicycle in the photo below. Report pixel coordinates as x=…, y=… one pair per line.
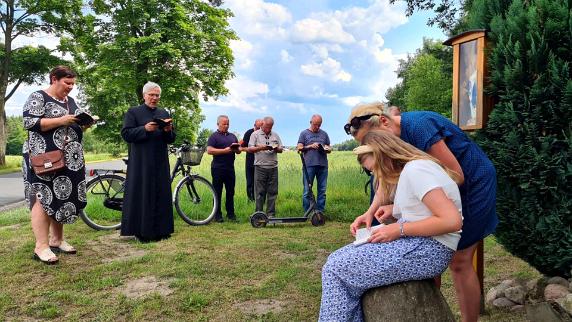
x=194, y=196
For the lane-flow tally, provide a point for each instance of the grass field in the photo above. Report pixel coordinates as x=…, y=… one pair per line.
x=217, y=272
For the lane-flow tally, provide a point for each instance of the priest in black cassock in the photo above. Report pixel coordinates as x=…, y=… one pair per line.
x=147, y=207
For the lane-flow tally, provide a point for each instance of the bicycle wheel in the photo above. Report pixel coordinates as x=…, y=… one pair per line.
x=195, y=200
x=104, y=202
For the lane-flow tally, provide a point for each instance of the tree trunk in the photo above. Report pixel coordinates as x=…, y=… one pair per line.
x=3, y=136
x=411, y=301
x=4, y=71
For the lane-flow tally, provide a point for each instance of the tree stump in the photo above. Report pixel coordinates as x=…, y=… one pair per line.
x=408, y=301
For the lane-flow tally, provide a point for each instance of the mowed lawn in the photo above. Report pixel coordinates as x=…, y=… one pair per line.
x=217, y=272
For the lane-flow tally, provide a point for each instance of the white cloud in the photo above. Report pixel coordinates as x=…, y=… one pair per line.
x=327, y=30
x=243, y=51
x=41, y=39
x=243, y=92
x=285, y=56
x=328, y=69
x=380, y=17
x=353, y=100
x=259, y=18
x=318, y=91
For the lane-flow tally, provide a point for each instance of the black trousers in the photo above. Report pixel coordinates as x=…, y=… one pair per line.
x=227, y=178
x=249, y=170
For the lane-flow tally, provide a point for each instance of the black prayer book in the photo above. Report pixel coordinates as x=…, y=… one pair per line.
x=84, y=119
x=161, y=123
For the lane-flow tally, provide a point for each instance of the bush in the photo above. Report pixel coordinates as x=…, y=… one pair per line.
x=529, y=134
x=16, y=135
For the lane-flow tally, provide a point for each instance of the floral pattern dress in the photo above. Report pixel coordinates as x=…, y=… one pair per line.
x=62, y=195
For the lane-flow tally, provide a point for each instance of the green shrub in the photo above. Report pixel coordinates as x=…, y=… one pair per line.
x=529, y=134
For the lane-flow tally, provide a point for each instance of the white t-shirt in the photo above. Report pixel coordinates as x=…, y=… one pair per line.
x=418, y=178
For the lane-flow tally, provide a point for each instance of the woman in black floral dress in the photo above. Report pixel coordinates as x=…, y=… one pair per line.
x=54, y=199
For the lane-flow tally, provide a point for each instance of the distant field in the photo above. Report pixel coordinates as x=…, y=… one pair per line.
x=345, y=194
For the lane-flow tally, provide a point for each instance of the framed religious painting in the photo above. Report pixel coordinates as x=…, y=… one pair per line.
x=471, y=107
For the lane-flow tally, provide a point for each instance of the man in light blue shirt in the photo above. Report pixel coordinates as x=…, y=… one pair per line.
x=315, y=144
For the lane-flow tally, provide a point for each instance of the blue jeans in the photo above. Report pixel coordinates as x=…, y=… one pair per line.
x=320, y=173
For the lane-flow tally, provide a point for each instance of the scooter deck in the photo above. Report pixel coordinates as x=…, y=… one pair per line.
x=278, y=220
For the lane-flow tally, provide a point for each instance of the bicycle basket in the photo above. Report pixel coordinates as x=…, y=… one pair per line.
x=193, y=156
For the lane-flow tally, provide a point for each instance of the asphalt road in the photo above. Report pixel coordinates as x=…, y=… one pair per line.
x=12, y=184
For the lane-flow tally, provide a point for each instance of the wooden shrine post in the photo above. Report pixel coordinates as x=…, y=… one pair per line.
x=470, y=106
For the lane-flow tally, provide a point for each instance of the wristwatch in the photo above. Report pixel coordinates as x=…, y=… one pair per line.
x=401, y=233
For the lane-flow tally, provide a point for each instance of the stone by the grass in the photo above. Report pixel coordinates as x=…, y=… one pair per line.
x=568, y=304
x=509, y=283
x=558, y=280
x=516, y=294
x=411, y=301
x=493, y=294
x=503, y=302
x=555, y=291
x=545, y=312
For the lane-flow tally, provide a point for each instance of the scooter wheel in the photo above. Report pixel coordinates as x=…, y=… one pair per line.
x=258, y=219
x=318, y=219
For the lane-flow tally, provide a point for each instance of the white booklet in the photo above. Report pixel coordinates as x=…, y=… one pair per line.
x=363, y=234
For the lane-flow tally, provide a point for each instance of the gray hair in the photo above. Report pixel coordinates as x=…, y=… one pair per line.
x=316, y=116
x=221, y=117
x=268, y=119
x=149, y=86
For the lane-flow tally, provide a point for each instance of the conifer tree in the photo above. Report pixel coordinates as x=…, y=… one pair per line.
x=529, y=133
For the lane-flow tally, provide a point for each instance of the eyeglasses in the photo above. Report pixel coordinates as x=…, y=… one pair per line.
x=154, y=95
x=355, y=123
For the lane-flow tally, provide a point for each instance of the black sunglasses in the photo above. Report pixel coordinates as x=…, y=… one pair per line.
x=356, y=123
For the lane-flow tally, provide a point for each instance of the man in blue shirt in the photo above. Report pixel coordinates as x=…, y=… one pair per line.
x=222, y=145
x=315, y=144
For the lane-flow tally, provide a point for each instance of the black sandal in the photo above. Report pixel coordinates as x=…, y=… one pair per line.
x=47, y=257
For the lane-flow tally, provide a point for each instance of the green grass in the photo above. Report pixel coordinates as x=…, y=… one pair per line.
x=13, y=164
x=217, y=272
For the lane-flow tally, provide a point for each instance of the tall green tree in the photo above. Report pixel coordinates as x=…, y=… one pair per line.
x=27, y=65
x=428, y=88
x=529, y=133
x=426, y=82
x=183, y=45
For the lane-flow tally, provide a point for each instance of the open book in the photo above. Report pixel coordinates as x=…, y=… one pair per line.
x=84, y=119
x=363, y=234
x=235, y=146
x=162, y=123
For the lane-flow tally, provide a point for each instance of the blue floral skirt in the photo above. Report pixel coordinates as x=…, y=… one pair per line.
x=352, y=270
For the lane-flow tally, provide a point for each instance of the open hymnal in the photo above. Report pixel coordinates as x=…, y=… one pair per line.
x=84, y=119
x=363, y=234
x=162, y=123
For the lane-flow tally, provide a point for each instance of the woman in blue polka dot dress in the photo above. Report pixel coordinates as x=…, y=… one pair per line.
x=420, y=245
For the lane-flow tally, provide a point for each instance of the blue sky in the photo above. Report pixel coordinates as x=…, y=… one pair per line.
x=298, y=58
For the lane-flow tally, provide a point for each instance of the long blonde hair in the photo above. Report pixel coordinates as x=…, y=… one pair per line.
x=391, y=154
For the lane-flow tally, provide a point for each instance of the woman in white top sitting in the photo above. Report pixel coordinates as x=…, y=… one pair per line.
x=419, y=245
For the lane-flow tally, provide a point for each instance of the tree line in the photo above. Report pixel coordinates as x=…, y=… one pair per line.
x=116, y=46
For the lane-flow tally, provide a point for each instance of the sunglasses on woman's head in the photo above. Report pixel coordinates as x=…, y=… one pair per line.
x=355, y=123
